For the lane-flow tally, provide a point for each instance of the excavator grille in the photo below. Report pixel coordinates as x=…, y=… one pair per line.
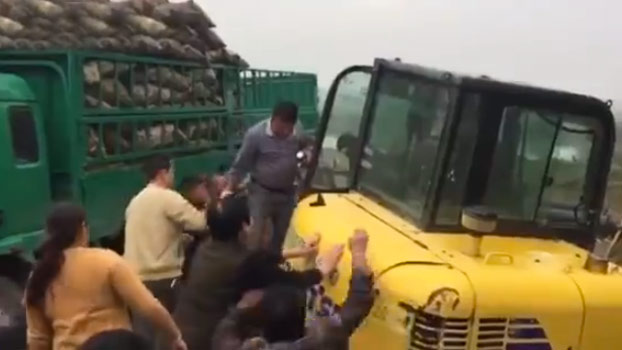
x=511, y=334
x=431, y=332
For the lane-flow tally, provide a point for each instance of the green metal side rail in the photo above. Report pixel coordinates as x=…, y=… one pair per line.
x=213, y=118
x=121, y=103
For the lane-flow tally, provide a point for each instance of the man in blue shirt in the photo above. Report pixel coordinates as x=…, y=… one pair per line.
x=268, y=154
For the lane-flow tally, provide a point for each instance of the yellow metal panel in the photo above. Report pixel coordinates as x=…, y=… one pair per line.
x=438, y=290
x=338, y=219
x=509, y=279
x=550, y=297
x=602, y=295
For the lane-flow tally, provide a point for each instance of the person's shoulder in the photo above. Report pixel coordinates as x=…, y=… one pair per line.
x=171, y=195
x=138, y=197
x=100, y=256
x=151, y=191
x=259, y=128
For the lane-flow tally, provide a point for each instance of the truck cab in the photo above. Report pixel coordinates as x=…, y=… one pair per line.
x=482, y=200
x=24, y=195
x=25, y=185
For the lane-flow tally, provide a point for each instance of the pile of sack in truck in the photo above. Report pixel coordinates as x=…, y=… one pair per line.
x=144, y=27
x=177, y=31
x=153, y=27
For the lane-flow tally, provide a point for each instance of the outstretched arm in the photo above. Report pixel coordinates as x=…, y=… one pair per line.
x=360, y=298
x=134, y=293
x=180, y=211
x=244, y=160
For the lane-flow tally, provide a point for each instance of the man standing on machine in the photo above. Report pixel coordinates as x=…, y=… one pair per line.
x=268, y=154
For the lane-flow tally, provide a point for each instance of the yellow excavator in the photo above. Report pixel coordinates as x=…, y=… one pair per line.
x=483, y=201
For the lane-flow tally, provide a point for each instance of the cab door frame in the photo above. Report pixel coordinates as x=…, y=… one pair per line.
x=26, y=186
x=323, y=127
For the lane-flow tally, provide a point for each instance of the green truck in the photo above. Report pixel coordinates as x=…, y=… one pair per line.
x=76, y=125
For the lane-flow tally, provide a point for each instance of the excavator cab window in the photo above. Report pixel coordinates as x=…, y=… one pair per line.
x=540, y=164
x=427, y=145
x=402, y=148
x=535, y=162
x=341, y=127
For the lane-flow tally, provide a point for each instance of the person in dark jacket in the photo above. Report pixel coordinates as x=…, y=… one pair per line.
x=260, y=318
x=210, y=288
x=196, y=190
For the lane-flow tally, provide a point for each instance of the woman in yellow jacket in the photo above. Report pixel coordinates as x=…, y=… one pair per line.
x=75, y=292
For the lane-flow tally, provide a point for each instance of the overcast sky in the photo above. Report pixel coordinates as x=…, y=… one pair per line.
x=570, y=44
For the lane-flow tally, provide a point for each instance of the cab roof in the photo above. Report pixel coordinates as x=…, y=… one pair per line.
x=14, y=88
x=488, y=85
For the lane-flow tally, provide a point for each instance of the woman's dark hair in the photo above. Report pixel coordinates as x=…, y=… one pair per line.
x=62, y=227
x=280, y=315
x=118, y=339
x=226, y=223
x=264, y=268
x=258, y=270
x=284, y=307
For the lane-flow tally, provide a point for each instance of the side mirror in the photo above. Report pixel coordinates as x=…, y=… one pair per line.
x=479, y=219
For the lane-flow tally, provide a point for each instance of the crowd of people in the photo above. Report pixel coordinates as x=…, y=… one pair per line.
x=202, y=265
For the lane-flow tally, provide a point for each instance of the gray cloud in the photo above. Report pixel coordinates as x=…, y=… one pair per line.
x=568, y=44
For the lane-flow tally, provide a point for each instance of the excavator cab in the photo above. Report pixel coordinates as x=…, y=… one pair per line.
x=482, y=201
x=448, y=151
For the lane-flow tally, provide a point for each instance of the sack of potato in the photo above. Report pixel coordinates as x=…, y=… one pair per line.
x=152, y=27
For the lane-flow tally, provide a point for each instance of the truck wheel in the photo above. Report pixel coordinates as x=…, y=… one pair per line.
x=12, y=316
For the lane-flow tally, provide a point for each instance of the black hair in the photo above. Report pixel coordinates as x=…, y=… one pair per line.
x=284, y=309
x=263, y=268
x=286, y=111
x=189, y=183
x=226, y=222
x=119, y=339
x=346, y=141
x=63, y=225
x=155, y=164
x=258, y=270
x=278, y=317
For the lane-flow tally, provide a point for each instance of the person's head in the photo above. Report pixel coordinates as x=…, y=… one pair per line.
x=159, y=170
x=65, y=227
x=284, y=309
x=230, y=220
x=196, y=190
x=119, y=339
x=346, y=143
x=258, y=270
x=284, y=118
x=277, y=312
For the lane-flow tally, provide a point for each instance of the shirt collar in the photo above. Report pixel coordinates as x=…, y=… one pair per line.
x=271, y=134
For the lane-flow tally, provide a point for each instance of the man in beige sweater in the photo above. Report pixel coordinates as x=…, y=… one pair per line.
x=155, y=221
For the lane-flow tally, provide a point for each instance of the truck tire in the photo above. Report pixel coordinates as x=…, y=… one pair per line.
x=12, y=316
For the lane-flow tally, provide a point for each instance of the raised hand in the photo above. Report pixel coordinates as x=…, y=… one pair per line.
x=358, y=242
x=327, y=263
x=358, y=247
